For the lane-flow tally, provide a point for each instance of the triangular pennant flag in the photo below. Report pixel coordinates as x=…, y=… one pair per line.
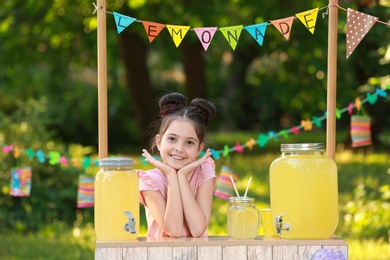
x=152, y=29
x=122, y=21
x=232, y=34
x=358, y=25
x=205, y=35
x=309, y=19
x=284, y=26
x=257, y=31
x=177, y=33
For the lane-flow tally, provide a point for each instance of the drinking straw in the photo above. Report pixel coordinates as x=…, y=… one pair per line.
x=234, y=185
x=247, y=186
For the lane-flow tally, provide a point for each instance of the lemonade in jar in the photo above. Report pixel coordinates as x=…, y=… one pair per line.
x=304, y=192
x=244, y=218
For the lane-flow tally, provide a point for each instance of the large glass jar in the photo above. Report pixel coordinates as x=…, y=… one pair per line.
x=243, y=218
x=229, y=215
x=116, y=200
x=304, y=192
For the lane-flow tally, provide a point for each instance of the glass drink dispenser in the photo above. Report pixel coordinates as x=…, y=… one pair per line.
x=116, y=200
x=304, y=192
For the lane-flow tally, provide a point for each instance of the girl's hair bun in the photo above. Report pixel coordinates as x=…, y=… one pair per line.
x=171, y=103
x=203, y=108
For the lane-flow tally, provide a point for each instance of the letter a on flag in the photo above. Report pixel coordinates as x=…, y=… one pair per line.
x=284, y=26
x=177, y=33
x=257, y=31
x=122, y=21
x=309, y=19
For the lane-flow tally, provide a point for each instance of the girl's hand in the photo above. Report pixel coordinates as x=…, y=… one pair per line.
x=164, y=168
x=195, y=164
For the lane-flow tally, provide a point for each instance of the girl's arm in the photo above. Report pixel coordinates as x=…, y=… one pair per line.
x=197, y=210
x=167, y=213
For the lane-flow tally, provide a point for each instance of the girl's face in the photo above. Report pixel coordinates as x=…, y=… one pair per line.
x=179, y=145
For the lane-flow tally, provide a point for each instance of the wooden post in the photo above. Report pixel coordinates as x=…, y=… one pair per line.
x=332, y=81
x=102, y=79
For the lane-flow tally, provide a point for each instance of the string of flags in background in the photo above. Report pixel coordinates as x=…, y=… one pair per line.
x=360, y=136
x=55, y=158
x=358, y=24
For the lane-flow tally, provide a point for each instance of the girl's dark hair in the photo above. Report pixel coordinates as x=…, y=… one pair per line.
x=173, y=107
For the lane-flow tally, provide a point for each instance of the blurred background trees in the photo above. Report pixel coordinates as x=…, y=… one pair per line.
x=48, y=75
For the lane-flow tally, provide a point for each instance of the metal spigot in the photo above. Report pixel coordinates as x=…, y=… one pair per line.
x=280, y=226
x=130, y=226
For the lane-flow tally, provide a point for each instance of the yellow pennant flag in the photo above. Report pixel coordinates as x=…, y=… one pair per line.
x=177, y=33
x=309, y=19
x=232, y=34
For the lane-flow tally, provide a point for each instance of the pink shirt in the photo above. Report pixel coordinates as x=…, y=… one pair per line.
x=155, y=180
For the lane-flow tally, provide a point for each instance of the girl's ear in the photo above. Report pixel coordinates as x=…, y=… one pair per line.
x=158, y=141
x=201, y=146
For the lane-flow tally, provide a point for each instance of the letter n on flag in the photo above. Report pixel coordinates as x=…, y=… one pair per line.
x=284, y=26
x=152, y=29
x=122, y=21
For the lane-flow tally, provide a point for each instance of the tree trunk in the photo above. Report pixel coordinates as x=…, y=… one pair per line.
x=134, y=56
x=194, y=70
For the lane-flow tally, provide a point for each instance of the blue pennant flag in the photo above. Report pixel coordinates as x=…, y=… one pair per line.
x=122, y=21
x=257, y=31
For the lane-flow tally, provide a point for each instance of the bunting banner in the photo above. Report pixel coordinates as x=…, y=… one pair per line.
x=358, y=25
x=20, y=182
x=306, y=124
x=152, y=29
x=232, y=34
x=284, y=26
x=85, y=191
x=360, y=131
x=177, y=33
x=205, y=35
x=225, y=188
x=257, y=31
x=122, y=21
x=309, y=19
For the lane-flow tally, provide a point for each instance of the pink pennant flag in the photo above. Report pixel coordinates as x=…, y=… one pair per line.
x=205, y=35
x=284, y=26
x=152, y=29
x=358, y=25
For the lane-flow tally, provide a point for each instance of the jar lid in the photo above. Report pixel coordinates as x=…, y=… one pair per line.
x=302, y=147
x=116, y=162
x=243, y=199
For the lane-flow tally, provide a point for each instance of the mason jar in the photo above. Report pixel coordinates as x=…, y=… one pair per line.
x=116, y=200
x=243, y=218
x=304, y=192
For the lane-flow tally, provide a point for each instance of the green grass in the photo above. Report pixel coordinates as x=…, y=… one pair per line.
x=364, y=205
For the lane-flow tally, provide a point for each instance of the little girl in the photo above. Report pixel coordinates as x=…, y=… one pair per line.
x=178, y=193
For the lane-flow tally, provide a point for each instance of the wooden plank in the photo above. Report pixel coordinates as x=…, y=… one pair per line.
x=210, y=252
x=108, y=253
x=185, y=253
x=234, y=252
x=160, y=253
x=307, y=252
x=285, y=252
x=259, y=252
x=135, y=253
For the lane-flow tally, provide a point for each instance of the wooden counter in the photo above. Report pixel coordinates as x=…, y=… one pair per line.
x=215, y=247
